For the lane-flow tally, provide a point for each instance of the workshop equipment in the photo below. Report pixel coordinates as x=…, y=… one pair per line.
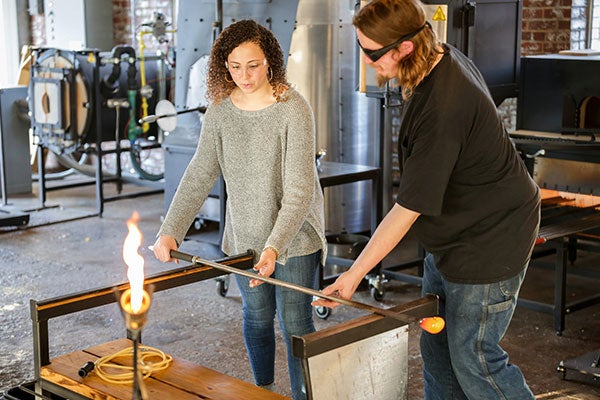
x=360, y=359
x=166, y=115
x=15, y=171
x=81, y=99
x=558, y=132
x=60, y=376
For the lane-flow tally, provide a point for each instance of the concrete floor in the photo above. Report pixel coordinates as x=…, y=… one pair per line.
x=49, y=258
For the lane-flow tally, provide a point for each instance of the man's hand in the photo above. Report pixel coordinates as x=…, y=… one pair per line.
x=344, y=287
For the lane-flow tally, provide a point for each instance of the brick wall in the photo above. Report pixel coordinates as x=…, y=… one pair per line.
x=143, y=13
x=122, y=22
x=546, y=26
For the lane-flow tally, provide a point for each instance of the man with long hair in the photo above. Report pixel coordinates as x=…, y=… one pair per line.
x=464, y=193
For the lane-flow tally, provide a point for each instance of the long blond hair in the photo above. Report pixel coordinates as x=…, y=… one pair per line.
x=385, y=21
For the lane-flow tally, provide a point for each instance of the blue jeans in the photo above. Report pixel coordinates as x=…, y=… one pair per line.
x=465, y=360
x=294, y=312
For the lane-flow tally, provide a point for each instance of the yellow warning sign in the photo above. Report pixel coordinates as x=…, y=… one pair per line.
x=439, y=15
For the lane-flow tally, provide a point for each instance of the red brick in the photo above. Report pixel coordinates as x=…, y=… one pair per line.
x=557, y=13
x=529, y=48
x=543, y=25
x=531, y=13
x=564, y=25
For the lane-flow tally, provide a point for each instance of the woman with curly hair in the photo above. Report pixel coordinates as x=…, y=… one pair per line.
x=464, y=193
x=258, y=133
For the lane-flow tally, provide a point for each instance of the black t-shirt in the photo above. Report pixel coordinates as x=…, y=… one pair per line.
x=459, y=169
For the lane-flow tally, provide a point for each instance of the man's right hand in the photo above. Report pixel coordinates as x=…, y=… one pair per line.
x=344, y=287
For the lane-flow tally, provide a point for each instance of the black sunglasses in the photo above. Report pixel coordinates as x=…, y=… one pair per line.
x=375, y=55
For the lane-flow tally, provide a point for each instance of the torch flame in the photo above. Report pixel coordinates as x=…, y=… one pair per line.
x=135, y=262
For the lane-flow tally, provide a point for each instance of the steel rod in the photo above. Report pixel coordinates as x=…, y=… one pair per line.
x=312, y=292
x=153, y=118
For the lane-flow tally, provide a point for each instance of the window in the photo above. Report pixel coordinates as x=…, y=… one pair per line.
x=594, y=25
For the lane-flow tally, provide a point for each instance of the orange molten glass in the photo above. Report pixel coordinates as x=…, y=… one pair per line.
x=135, y=262
x=433, y=325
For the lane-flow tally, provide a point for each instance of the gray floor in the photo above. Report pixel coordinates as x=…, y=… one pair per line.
x=49, y=258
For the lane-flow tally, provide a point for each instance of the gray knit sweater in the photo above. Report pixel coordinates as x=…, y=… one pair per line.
x=267, y=158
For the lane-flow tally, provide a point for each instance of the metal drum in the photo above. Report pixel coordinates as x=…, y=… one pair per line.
x=323, y=66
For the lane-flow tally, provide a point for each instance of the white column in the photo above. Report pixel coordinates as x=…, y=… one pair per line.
x=9, y=43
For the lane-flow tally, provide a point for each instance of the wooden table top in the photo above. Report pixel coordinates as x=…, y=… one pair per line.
x=182, y=380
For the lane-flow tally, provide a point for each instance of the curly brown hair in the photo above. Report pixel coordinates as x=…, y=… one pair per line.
x=219, y=82
x=384, y=21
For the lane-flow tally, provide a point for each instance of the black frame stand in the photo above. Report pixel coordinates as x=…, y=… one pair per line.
x=585, y=368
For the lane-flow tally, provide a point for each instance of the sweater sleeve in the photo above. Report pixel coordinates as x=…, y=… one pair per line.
x=299, y=175
x=196, y=183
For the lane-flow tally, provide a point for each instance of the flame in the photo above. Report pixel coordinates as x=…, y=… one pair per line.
x=135, y=262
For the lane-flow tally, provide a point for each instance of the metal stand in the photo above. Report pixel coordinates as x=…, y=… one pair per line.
x=43, y=311
x=8, y=124
x=585, y=368
x=386, y=150
x=135, y=321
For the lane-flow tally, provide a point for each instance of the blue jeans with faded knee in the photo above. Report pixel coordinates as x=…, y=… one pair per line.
x=294, y=313
x=465, y=360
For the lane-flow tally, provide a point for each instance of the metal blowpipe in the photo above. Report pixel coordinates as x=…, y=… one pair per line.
x=153, y=118
x=252, y=275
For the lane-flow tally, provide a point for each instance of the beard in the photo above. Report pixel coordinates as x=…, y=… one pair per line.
x=382, y=79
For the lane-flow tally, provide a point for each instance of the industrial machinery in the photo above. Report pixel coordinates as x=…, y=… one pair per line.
x=489, y=33
x=558, y=128
x=557, y=133
x=81, y=100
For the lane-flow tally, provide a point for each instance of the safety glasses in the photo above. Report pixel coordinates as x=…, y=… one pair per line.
x=375, y=55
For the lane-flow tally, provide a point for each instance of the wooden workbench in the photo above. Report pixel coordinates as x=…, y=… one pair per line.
x=182, y=380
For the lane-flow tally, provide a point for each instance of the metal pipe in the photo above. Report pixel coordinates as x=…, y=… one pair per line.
x=218, y=24
x=153, y=118
x=315, y=293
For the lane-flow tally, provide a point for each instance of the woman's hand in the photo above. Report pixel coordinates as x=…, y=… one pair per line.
x=344, y=287
x=163, y=246
x=265, y=266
